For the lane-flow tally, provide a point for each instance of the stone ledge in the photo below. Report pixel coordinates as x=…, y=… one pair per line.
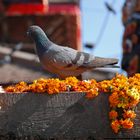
x=20, y=57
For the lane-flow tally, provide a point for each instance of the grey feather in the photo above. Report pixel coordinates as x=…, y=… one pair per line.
x=64, y=61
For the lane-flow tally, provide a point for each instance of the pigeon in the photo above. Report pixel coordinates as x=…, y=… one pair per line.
x=61, y=60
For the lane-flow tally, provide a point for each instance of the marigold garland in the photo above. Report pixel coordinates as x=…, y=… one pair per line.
x=123, y=98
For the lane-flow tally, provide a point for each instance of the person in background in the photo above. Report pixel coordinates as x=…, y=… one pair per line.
x=131, y=37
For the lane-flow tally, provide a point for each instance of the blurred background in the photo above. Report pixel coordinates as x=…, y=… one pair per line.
x=93, y=26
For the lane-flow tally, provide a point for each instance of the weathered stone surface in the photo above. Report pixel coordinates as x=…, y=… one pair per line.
x=61, y=116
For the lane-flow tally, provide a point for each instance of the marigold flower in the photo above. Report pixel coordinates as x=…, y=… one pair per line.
x=123, y=100
x=10, y=89
x=133, y=93
x=127, y=123
x=129, y=114
x=92, y=93
x=119, y=82
x=113, y=115
x=114, y=99
x=124, y=93
x=104, y=86
x=115, y=125
x=18, y=88
x=71, y=81
x=132, y=103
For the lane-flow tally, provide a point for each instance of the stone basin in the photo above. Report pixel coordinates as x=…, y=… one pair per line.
x=61, y=116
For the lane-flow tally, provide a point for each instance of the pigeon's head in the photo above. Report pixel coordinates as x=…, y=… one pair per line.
x=35, y=32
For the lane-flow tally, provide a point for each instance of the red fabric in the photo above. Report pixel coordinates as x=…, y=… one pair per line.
x=26, y=9
x=32, y=9
x=64, y=9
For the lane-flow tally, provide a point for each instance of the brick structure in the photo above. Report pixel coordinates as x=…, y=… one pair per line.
x=61, y=21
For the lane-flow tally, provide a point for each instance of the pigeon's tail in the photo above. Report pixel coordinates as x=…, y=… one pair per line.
x=103, y=62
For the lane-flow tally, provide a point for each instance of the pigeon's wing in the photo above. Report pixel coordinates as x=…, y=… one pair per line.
x=87, y=61
x=100, y=62
x=78, y=58
x=70, y=59
x=66, y=58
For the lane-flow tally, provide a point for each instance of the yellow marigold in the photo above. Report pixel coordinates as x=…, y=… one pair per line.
x=123, y=99
x=113, y=115
x=133, y=93
x=127, y=123
x=115, y=125
x=129, y=114
x=71, y=81
x=119, y=82
x=121, y=105
x=135, y=82
x=41, y=81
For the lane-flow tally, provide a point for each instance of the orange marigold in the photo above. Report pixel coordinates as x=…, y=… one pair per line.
x=129, y=114
x=20, y=87
x=124, y=93
x=71, y=81
x=55, y=86
x=10, y=89
x=114, y=99
x=92, y=93
x=105, y=86
x=132, y=103
x=115, y=125
x=127, y=123
x=37, y=88
x=113, y=114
